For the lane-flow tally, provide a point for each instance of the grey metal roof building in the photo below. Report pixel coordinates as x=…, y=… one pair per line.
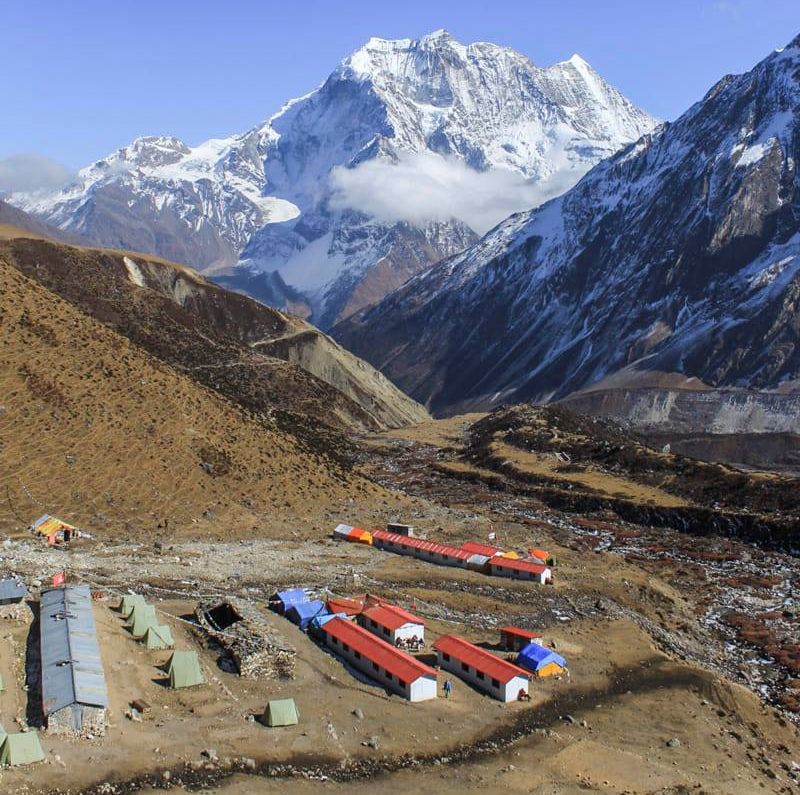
x=73, y=683
x=12, y=590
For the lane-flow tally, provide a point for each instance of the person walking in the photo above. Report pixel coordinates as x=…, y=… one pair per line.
x=448, y=687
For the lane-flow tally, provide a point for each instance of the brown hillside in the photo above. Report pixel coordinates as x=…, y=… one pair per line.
x=221, y=339
x=94, y=429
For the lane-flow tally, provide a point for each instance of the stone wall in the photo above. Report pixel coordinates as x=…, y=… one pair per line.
x=256, y=648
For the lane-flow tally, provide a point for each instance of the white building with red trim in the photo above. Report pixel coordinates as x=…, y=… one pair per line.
x=433, y=552
x=391, y=622
x=520, y=570
x=482, y=669
x=393, y=669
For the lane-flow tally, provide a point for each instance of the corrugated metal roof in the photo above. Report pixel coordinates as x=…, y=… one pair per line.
x=518, y=565
x=391, y=616
x=422, y=544
x=350, y=606
x=13, y=588
x=405, y=667
x=480, y=659
x=520, y=633
x=47, y=525
x=72, y=669
x=481, y=549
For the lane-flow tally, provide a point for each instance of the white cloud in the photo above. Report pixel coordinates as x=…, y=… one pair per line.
x=30, y=172
x=423, y=186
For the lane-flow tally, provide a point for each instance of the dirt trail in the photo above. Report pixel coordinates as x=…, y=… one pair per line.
x=657, y=673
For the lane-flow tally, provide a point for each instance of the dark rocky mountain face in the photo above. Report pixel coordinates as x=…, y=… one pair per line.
x=680, y=253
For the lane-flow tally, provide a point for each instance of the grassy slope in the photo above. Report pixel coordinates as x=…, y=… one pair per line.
x=97, y=430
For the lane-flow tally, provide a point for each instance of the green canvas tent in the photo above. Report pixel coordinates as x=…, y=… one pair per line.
x=129, y=601
x=139, y=609
x=281, y=712
x=159, y=637
x=142, y=618
x=22, y=748
x=2, y=684
x=2, y=735
x=184, y=670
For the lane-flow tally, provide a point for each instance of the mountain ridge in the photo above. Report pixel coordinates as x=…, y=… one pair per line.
x=262, y=198
x=227, y=342
x=679, y=254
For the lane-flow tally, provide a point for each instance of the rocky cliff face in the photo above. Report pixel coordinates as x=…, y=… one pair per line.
x=678, y=254
x=680, y=411
x=315, y=192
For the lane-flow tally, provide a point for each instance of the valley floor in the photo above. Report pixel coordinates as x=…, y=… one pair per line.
x=659, y=697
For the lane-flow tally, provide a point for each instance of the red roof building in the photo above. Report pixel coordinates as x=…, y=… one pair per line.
x=392, y=622
x=481, y=668
x=481, y=549
x=520, y=569
x=394, y=669
x=418, y=547
x=464, y=557
x=514, y=638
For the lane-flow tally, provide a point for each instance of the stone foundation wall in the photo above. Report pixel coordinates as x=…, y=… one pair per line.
x=257, y=650
x=92, y=721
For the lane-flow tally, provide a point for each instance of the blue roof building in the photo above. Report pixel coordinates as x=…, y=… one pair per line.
x=12, y=591
x=74, y=696
x=283, y=600
x=541, y=660
x=303, y=613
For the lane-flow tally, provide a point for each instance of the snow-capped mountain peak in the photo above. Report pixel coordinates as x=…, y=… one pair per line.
x=681, y=253
x=312, y=192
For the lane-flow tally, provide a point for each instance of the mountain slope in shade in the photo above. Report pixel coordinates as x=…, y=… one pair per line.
x=262, y=359
x=17, y=223
x=273, y=197
x=119, y=442
x=679, y=254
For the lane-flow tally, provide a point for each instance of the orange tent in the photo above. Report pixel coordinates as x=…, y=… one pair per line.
x=359, y=536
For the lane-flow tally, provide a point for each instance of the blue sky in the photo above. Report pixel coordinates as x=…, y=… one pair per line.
x=84, y=77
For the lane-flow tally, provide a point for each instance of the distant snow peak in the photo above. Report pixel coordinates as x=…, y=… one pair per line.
x=680, y=253
x=386, y=167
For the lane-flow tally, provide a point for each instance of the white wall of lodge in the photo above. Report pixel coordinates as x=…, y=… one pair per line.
x=420, y=689
x=496, y=568
x=440, y=558
x=392, y=636
x=495, y=564
x=503, y=691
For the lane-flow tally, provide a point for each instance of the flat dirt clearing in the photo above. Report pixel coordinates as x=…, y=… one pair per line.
x=625, y=698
